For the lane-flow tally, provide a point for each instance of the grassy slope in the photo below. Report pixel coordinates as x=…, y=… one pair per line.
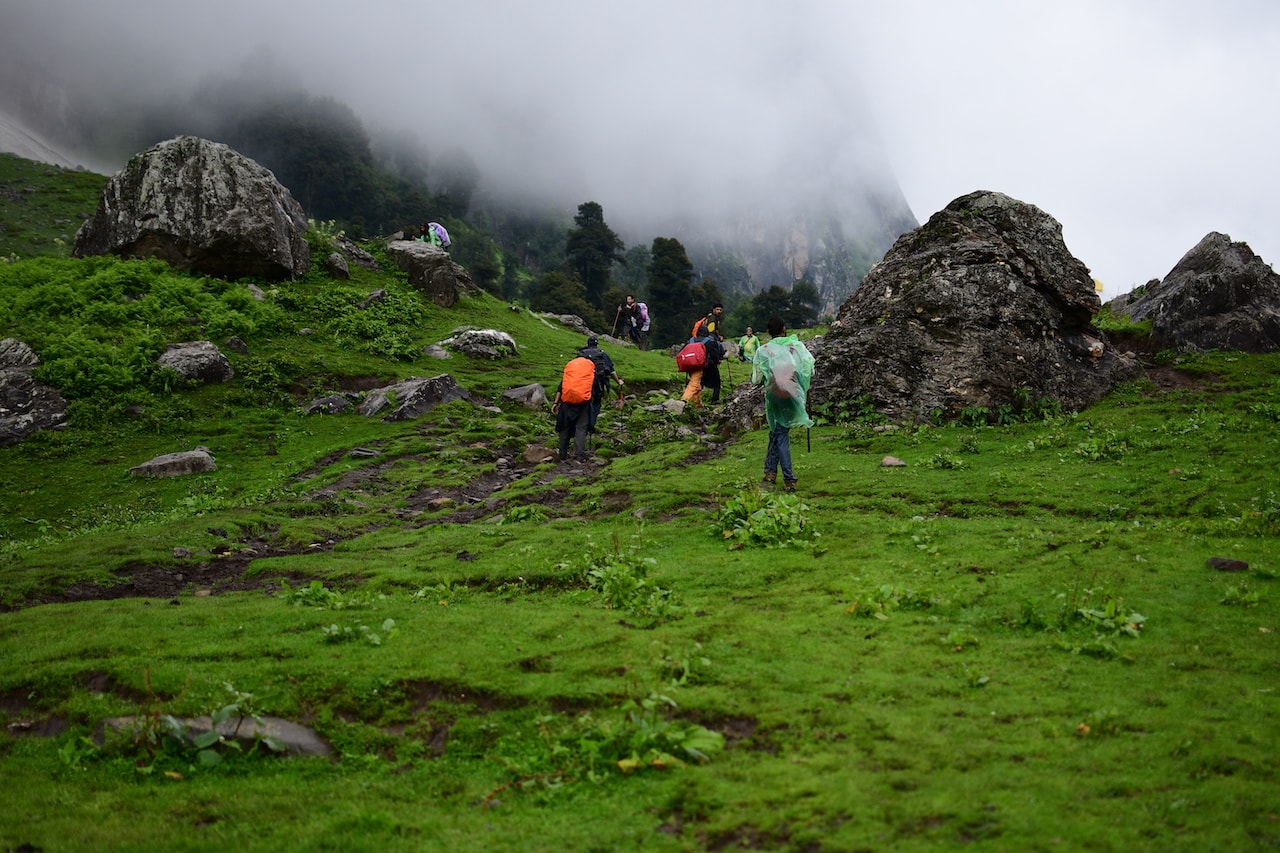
x=934, y=670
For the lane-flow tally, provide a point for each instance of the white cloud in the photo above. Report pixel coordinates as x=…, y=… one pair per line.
x=1140, y=125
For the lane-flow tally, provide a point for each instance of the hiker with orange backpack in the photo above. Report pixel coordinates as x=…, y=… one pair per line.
x=572, y=406
x=580, y=395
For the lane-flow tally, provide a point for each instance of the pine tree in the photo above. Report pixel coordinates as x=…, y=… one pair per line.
x=670, y=305
x=591, y=250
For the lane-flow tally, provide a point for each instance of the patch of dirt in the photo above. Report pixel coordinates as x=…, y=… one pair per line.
x=224, y=570
x=1168, y=378
x=423, y=693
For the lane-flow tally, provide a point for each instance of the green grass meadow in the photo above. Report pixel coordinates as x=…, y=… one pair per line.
x=1014, y=642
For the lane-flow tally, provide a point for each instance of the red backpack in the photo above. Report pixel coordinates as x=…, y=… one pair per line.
x=579, y=376
x=693, y=356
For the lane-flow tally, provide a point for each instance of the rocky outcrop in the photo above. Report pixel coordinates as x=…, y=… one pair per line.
x=432, y=271
x=197, y=361
x=200, y=206
x=26, y=406
x=1219, y=296
x=981, y=307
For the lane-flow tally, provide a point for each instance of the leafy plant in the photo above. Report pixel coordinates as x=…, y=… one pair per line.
x=944, y=461
x=765, y=519
x=621, y=577
x=524, y=512
x=1241, y=596
x=885, y=599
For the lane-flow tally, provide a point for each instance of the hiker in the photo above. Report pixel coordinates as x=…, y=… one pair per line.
x=708, y=373
x=785, y=368
x=435, y=234
x=572, y=406
x=635, y=320
x=604, y=372
x=747, y=345
x=710, y=324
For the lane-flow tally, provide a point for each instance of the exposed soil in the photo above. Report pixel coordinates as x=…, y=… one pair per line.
x=225, y=569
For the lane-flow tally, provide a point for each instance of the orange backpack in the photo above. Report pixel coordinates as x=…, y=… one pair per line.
x=579, y=376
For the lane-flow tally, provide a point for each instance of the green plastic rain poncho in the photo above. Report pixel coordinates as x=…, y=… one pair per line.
x=784, y=366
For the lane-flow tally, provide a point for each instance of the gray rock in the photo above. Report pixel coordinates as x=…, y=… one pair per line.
x=335, y=265
x=26, y=406
x=196, y=461
x=198, y=361
x=537, y=454
x=331, y=405
x=978, y=308
x=379, y=295
x=483, y=343
x=1220, y=295
x=353, y=253
x=534, y=396
x=200, y=206
x=235, y=344
x=432, y=271
x=436, y=351
x=296, y=739
x=16, y=355
x=413, y=397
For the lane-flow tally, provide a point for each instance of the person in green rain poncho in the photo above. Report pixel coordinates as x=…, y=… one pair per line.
x=785, y=368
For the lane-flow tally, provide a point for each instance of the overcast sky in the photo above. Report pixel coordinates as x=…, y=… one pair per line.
x=1140, y=125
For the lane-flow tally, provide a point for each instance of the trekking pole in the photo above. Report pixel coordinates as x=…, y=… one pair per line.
x=614, y=332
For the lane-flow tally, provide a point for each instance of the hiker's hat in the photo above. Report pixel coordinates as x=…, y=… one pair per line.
x=592, y=341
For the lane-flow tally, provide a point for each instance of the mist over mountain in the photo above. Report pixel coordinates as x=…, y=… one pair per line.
x=748, y=147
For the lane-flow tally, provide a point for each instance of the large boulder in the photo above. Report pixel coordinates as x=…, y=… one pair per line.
x=197, y=361
x=1219, y=296
x=431, y=271
x=980, y=307
x=200, y=206
x=26, y=406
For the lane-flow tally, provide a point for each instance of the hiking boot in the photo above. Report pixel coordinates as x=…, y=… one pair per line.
x=789, y=485
x=771, y=478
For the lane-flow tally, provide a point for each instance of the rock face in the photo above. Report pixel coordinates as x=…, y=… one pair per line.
x=1219, y=296
x=203, y=207
x=432, y=271
x=25, y=405
x=981, y=307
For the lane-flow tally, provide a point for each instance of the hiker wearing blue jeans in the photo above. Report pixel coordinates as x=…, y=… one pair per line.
x=784, y=366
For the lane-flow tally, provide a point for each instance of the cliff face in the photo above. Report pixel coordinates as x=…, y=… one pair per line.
x=830, y=242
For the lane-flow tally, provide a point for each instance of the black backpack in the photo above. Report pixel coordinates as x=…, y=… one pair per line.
x=600, y=387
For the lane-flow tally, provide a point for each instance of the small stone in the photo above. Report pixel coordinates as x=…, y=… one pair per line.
x=892, y=462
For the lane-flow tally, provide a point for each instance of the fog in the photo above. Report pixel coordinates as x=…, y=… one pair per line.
x=1140, y=126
